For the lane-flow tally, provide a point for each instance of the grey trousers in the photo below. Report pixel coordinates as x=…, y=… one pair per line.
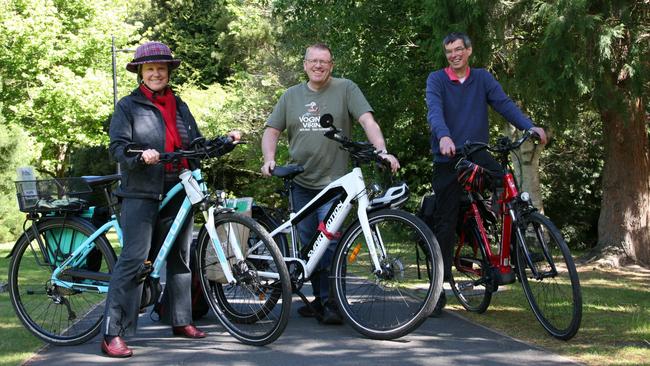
x=143, y=228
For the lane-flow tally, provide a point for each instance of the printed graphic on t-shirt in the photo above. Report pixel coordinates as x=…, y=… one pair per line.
x=310, y=120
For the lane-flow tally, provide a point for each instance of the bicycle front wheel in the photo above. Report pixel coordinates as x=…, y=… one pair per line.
x=548, y=276
x=395, y=302
x=55, y=314
x=255, y=309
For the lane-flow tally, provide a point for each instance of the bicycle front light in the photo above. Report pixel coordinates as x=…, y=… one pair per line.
x=220, y=197
x=393, y=197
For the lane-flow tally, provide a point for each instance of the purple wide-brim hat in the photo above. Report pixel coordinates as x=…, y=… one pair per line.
x=151, y=52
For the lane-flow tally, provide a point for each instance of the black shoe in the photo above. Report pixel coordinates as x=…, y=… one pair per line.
x=331, y=315
x=442, y=301
x=307, y=312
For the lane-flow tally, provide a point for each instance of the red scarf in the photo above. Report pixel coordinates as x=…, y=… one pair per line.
x=166, y=103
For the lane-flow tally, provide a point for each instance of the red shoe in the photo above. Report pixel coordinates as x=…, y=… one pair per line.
x=188, y=331
x=116, y=348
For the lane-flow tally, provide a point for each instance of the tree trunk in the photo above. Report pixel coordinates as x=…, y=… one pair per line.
x=526, y=169
x=624, y=222
x=61, y=166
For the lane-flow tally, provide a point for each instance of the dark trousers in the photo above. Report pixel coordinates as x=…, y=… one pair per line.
x=446, y=210
x=306, y=229
x=143, y=227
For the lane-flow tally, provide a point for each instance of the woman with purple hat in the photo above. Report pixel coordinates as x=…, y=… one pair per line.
x=152, y=116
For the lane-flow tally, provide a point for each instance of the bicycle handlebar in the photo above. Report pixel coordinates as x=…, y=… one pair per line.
x=201, y=149
x=360, y=151
x=503, y=146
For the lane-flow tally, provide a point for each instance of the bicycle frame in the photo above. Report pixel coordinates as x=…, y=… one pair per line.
x=80, y=253
x=500, y=260
x=355, y=190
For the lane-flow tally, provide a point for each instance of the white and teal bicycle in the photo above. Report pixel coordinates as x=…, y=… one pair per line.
x=61, y=265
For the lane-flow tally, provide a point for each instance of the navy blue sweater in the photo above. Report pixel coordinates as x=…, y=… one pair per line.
x=460, y=110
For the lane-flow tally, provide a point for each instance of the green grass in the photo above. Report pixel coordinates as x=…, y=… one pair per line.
x=17, y=343
x=615, y=326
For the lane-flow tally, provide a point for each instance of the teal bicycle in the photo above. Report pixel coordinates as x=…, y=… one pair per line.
x=61, y=265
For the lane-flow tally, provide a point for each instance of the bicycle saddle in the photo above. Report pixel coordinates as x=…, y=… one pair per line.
x=288, y=171
x=96, y=180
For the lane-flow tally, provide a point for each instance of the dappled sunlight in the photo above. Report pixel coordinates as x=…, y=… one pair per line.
x=615, y=328
x=616, y=277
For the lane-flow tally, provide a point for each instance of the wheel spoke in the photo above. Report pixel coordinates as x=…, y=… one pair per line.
x=395, y=302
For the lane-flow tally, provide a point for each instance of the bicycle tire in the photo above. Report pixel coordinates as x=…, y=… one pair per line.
x=57, y=315
x=269, y=224
x=555, y=299
x=392, y=305
x=470, y=276
x=254, y=310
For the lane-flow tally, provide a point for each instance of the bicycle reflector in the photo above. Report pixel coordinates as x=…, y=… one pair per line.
x=471, y=176
x=353, y=256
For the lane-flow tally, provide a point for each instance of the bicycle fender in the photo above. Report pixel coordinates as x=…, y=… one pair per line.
x=78, y=219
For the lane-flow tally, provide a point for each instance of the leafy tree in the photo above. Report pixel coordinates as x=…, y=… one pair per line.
x=576, y=56
x=16, y=149
x=55, y=68
x=215, y=39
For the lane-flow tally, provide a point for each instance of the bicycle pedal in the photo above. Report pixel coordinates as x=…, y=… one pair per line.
x=143, y=272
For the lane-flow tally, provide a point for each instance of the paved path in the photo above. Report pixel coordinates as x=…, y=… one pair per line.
x=448, y=340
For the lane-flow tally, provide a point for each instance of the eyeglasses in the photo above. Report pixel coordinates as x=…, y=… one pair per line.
x=318, y=62
x=455, y=50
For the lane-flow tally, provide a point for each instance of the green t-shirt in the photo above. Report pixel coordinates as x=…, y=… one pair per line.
x=299, y=110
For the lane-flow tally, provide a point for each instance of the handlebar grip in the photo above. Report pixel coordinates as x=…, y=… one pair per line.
x=166, y=157
x=383, y=162
x=533, y=134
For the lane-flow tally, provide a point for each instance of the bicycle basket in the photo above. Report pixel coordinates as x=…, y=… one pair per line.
x=472, y=176
x=48, y=195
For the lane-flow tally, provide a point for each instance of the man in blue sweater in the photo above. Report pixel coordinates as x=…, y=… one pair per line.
x=457, y=100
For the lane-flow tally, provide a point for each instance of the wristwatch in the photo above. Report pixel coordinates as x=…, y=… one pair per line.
x=379, y=152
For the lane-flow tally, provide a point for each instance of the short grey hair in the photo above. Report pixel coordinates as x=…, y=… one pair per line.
x=319, y=46
x=454, y=36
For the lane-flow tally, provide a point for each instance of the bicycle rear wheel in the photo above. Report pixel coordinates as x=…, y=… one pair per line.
x=470, y=279
x=553, y=289
x=255, y=309
x=269, y=224
x=58, y=315
x=396, y=302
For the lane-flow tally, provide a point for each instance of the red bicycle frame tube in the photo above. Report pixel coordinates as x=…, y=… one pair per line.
x=502, y=259
x=510, y=192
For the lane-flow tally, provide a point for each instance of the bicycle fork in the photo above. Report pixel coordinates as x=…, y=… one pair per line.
x=373, y=238
x=236, y=247
x=217, y=246
x=528, y=256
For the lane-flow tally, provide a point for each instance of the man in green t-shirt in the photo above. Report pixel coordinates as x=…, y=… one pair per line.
x=298, y=112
